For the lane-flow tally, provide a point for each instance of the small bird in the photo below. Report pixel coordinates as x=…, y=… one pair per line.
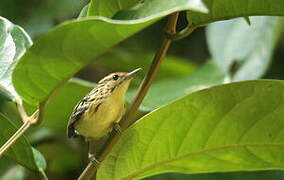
x=100, y=110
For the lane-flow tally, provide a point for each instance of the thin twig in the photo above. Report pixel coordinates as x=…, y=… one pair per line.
x=128, y=119
x=15, y=136
x=28, y=121
x=183, y=33
x=22, y=111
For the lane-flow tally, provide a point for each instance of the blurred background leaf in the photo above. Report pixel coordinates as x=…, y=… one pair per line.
x=249, y=48
x=15, y=173
x=38, y=17
x=173, y=67
x=165, y=91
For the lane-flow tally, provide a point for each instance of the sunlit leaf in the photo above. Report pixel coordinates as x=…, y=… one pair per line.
x=59, y=54
x=232, y=127
x=137, y=9
x=109, y=8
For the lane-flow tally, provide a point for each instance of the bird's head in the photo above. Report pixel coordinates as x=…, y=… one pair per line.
x=119, y=81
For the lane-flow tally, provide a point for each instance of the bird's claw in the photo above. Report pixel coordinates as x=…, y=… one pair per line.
x=117, y=127
x=93, y=159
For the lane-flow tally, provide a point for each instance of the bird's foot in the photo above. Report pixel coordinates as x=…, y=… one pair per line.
x=117, y=127
x=93, y=159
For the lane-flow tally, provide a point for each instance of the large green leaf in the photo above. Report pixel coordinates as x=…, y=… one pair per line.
x=21, y=152
x=231, y=127
x=109, y=8
x=168, y=90
x=157, y=8
x=13, y=43
x=57, y=55
x=251, y=47
x=259, y=175
x=226, y=9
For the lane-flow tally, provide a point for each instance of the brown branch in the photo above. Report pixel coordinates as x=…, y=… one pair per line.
x=128, y=119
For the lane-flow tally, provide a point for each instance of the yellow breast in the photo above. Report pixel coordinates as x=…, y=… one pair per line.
x=98, y=123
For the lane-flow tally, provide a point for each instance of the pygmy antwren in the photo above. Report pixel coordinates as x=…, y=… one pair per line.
x=96, y=114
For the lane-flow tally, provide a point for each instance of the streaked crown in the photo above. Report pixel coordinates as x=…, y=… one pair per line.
x=114, y=80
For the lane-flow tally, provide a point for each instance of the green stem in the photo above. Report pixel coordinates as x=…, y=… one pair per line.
x=28, y=121
x=183, y=33
x=14, y=138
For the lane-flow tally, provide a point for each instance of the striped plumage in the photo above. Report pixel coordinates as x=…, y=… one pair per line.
x=95, y=114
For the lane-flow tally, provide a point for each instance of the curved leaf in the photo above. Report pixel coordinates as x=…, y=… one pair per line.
x=13, y=43
x=84, y=11
x=221, y=10
x=231, y=127
x=55, y=57
x=21, y=152
x=158, y=8
x=251, y=47
x=109, y=8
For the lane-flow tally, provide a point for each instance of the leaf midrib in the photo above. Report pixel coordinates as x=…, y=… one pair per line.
x=135, y=174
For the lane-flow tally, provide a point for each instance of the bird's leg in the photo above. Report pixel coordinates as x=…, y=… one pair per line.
x=91, y=155
x=117, y=127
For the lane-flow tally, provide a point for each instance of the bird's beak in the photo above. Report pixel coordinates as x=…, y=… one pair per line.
x=133, y=73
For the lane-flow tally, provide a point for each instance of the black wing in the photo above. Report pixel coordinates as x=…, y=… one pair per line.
x=94, y=99
x=76, y=115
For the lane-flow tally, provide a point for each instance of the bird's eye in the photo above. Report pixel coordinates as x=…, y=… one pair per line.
x=115, y=77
